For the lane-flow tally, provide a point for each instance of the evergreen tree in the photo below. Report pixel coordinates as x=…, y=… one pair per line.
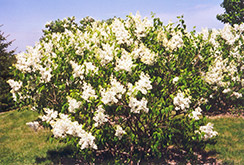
x=234, y=12
x=6, y=60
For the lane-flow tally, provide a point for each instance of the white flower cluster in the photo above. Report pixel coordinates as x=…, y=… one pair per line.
x=173, y=42
x=141, y=25
x=226, y=90
x=73, y=104
x=146, y=55
x=218, y=71
x=27, y=62
x=228, y=35
x=137, y=106
x=15, y=85
x=50, y=115
x=119, y=132
x=88, y=92
x=90, y=67
x=181, y=102
x=215, y=74
x=45, y=74
x=87, y=140
x=122, y=35
x=99, y=116
x=106, y=54
x=225, y=67
x=63, y=126
x=196, y=113
x=31, y=61
x=175, y=80
x=237, y=94
x=124, y=62
x=78, y=70
x=208, y=131
x=142, y=85
x=211, y=37
x=112, y=94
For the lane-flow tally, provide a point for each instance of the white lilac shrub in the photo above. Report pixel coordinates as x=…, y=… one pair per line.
x=128, y=88
x=225, y=74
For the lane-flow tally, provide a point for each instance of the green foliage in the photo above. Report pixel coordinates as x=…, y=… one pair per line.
x=6, y=60
x=234, y=12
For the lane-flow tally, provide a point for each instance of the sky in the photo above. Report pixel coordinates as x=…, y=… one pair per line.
x=24, y=20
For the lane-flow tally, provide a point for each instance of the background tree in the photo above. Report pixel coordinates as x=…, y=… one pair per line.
x=6, y=60
x=234, y=12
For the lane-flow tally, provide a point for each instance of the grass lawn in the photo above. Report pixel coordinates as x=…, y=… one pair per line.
x=21, y=145
x=230, y=142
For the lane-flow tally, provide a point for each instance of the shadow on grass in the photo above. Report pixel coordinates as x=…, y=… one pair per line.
x=173, y=156
x=176, y=156
x=61, y=156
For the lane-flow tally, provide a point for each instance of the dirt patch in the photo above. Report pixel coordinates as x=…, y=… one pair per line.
x=225, y=116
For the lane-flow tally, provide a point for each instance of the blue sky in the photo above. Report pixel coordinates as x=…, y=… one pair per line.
x=24, y=20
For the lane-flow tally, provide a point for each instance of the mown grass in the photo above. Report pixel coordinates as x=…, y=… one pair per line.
x=21, y=145
x=229, y=147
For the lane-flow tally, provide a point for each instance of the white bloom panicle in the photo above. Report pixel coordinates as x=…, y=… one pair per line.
x=45, y=74
x=137, y=106
x=195, y=114
x=181, y=102
x=175, y=79
x=226, y=90
x=125, y=62
x=141, y=25
x=146, y=55
x=215, y=73
x=119, y=132
x=108, y=96
x=61, y=126
x=30, y=61
x=228, y=35
x=88, y=92
x=90, y=67
x=73, y=104
x=122, y=35
x=106, y=54
x=64, y=125
x=87, y=141
x=172, y=43
x=237, y=95
x=100, y=117
x=15, y=85
x=50, y=114
x=112, y=94
x=144, y=83
x=208, y=131
x=78, y=70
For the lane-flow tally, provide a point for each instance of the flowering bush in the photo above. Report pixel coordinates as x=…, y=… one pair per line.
x=129, y=88
x=225, y=74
